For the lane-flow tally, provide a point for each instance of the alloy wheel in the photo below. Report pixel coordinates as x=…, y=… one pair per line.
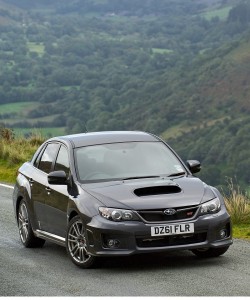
x=76, y=241
x=23, y=222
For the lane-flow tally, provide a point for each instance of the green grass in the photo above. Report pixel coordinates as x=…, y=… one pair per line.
x=241, y=231
x=237, y=203
x=36, y=47
x=45, y=132
x=7, y=172
x=162, y=51
x=180, y=129
x=17, y=107
x=20, y=118
x=14, y=151
x=69, y=87
x=20, y=110
x=172, y=132
x=221, y=13
x=238, y=206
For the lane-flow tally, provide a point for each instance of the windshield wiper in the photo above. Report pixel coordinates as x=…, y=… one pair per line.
x=177, y=174
x=140, y=177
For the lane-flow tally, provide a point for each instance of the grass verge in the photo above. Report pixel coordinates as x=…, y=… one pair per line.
x=241, y=231
x=14, y=151
x=238, y=204
x=7, y=172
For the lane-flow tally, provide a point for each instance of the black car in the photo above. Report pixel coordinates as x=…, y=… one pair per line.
x=117, y=193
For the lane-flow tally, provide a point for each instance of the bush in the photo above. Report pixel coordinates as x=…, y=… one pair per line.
x=238, y=204
x=6, y=134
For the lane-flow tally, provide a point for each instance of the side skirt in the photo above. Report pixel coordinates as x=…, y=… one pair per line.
x=50, y=237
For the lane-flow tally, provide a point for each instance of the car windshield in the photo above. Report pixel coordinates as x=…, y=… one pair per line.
x=124, y=161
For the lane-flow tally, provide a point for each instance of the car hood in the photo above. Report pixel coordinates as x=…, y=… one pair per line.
x=151, y=193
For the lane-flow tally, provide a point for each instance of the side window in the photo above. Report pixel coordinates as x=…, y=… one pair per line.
x=62, y=161
x=37, y=160
x=48, y=157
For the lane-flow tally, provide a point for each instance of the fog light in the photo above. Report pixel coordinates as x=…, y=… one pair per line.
x=223, y=233
x=113, y=243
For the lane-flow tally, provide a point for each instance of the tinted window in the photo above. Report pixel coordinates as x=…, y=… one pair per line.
x=62, y=161
x=123, y=160
x=48, y=157
x=37, y=160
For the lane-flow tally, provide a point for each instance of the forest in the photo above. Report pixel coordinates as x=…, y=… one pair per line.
x=178, y=69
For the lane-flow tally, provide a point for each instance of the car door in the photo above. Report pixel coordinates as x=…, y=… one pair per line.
x=57, y=201
x=39, y=182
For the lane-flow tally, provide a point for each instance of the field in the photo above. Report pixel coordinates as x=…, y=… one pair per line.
x=162, y=51
x=36, y=47
x=180, y=129
x=19, y=111
x=17, y=108
x=221, y=13
x=46, y=132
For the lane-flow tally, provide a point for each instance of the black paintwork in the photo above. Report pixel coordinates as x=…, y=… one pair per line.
x=52, y=204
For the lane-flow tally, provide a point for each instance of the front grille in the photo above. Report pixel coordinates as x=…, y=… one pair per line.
x=176, y=240
x=159, y=215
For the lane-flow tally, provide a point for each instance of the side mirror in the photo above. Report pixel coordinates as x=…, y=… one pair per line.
x=194, y=166
x=57, y=177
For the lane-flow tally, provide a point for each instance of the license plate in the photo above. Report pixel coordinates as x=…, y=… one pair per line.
x=172, y=229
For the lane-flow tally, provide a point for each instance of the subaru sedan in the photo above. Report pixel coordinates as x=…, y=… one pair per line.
x=105, y=194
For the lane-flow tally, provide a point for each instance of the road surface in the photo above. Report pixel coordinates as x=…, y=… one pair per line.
x=49, y=272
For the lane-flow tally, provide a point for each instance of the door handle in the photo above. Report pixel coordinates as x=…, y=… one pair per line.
x=31, y=181
x=48, y=189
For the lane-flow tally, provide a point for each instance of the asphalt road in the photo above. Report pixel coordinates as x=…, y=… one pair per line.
x=49, y=272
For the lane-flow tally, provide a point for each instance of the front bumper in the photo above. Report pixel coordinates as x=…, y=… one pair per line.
x=135, y=237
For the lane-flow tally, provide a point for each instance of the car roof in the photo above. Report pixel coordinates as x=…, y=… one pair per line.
x=105, y=137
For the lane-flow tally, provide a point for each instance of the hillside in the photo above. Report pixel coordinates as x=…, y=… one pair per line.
x=179, y=69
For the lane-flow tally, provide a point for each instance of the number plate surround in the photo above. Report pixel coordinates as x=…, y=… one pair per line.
x=172, y=229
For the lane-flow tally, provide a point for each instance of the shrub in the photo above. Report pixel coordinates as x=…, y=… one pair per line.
x=238, y=204
x=6, y=134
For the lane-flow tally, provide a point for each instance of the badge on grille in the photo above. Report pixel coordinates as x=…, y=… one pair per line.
x=169, y=211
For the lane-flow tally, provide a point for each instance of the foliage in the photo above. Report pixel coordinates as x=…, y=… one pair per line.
x=222, y=147
x=17, y=150
x=238, y=204
x=171, y=67
x=240, y=13
x=6, y=135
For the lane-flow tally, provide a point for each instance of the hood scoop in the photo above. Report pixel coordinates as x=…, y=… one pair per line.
x=157, y=190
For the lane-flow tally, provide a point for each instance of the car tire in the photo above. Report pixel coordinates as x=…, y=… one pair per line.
x=28, y=239
x=77, y=244
x=210, y=252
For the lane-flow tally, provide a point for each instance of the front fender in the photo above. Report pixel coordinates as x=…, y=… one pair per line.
x=22, y=190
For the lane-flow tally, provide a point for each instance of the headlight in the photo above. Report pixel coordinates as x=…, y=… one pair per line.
x=211, y=207
x=117, y=215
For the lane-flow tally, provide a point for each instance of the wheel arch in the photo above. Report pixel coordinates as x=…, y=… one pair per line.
x=18, y=201
x=72, y=214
